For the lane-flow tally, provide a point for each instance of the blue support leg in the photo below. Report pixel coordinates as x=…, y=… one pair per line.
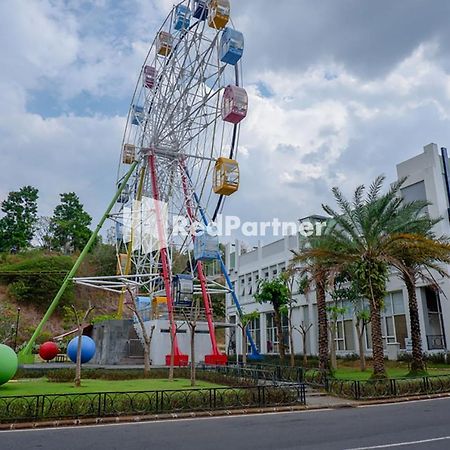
x=255, y=355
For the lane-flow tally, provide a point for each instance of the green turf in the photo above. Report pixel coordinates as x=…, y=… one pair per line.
x=42, y=386
x=349, y=373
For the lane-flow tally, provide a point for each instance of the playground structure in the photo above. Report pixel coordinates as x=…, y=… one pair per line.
x=178, y=164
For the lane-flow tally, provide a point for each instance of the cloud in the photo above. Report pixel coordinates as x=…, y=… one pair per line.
x=339, y=92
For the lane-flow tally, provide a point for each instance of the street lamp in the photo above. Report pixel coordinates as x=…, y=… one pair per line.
x=17, y=328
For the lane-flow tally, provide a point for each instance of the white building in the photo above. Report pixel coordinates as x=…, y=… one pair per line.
x=426, y=181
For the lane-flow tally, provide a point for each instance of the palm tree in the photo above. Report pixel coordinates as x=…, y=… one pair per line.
x=418, y=261
x=366, y=235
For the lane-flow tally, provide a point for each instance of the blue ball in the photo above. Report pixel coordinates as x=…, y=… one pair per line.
x=87, y=349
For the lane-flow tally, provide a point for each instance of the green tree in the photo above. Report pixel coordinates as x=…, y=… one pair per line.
x=276, y=293
x=70, y=224
x=346, y=290
x=417, y=260
x=18, y=224
x=366, y=235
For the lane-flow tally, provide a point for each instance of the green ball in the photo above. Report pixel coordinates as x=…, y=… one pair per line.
x=8, y=363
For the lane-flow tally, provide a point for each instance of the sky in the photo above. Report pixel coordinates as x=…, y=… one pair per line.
x=340, y=91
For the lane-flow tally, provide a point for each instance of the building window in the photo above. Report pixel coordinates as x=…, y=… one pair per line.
x=345, y=339
x=242, y=285
x=255, y=331
x=249, y=285
x=272, y=335
x=434, y=325
x=393, y=321
x=232, y=338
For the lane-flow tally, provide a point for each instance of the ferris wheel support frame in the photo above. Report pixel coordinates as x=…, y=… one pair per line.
x=255, y=355
x=25, y=355
x=216, y=358
x=130, y=249
x=179, y=359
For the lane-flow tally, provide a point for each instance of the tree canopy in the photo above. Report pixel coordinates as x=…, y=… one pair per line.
x=70, y=224
x=18, y=224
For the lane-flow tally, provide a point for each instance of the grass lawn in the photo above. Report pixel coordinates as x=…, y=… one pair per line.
x=37, y=386
x=350, y=373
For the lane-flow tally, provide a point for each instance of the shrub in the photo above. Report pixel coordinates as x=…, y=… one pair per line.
x=37, y=279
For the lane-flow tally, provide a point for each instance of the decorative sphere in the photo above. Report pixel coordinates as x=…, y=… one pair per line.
x=8, y=363
x=87, y=349
x=48, y=351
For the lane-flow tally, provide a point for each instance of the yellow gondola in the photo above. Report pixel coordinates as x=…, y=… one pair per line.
x=164, y=43
x=219, y=13
x=226, y=176
x=129, y=154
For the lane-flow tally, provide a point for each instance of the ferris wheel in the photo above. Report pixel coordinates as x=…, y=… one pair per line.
x=178, y=163
x=181, y=138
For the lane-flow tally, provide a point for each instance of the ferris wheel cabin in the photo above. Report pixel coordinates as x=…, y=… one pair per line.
x=234, y=104
x=231, y=46
x=200, y=9
x=138, y=115
x=219, y=13
x=183, y=289
x=149, y=77
x=164, y=43
x=128, y=154
x=206, y=247
x=182, y=18
x=226, y=176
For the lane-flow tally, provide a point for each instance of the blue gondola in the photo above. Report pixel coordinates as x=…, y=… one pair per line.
x=231, y=46
x=200, y=9
x=138, y=113
x=206, y=247
x=182, y=18
x=183, y=289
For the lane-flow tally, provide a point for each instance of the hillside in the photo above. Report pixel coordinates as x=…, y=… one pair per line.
x=30, y=280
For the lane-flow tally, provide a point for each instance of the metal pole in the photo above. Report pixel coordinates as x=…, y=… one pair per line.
x=17, y=329
x=24, y=355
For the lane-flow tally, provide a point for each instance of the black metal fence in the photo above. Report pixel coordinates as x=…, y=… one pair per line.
x=71, y=406
x=395, y=387
x=271, y=374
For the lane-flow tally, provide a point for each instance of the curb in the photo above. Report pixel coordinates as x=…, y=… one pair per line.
x=146, y=418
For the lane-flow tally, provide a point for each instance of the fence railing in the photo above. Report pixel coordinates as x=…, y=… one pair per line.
x=70, y=406
x=394, y=387
x=271, y=373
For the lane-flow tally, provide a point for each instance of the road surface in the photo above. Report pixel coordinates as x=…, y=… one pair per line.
x=414, y=425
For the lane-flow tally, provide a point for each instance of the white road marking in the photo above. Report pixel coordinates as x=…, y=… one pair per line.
x=402, y=444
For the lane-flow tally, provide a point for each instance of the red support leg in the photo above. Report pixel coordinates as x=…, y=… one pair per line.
x=179, y=358
x=215, y=358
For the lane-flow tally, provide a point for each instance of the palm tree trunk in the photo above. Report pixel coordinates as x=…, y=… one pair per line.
x=277, y=317
x=362, y=356
x=379, y=370
x=333, y=346
x=417, y=363
x=323, y=325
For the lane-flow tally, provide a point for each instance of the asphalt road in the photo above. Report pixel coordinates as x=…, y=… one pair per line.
x=416, y=425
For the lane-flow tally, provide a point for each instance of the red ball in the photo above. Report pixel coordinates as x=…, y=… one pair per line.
x=48, y=351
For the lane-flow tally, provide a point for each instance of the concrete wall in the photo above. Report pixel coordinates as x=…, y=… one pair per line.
x=111, y=338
